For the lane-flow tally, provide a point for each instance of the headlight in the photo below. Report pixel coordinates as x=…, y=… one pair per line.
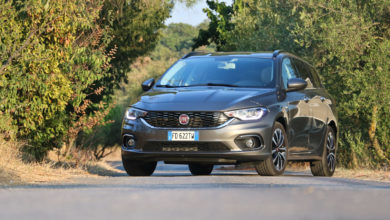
x=247, y=114
x=133, y=113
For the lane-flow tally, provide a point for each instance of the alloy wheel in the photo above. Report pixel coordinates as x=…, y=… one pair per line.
x=278, y=150
x=331, y=152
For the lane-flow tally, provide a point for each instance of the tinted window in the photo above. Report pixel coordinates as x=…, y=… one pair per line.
x=304, y=73
x=316, y=78
x=236, y=71
x=288, y=71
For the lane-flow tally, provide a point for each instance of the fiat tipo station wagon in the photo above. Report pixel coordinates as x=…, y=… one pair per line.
x=231, y=108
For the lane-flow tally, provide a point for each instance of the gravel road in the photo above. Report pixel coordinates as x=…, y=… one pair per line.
x=172, y=193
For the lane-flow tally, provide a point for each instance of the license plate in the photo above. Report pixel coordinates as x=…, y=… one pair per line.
x=183, y=136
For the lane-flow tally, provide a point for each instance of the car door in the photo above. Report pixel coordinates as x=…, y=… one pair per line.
x=297, y=111
x=320, y=109
x=315, y=99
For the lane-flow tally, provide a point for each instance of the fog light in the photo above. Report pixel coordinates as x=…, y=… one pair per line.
x=131, y=142
x=249, y=143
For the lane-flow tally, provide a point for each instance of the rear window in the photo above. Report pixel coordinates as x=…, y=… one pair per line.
x=235, y=71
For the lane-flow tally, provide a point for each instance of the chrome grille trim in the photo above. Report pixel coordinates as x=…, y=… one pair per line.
x=187, y=128
x=170, y=119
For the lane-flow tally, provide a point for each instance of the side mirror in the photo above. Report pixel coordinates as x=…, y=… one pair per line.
x=147, y=84
x=296, y=84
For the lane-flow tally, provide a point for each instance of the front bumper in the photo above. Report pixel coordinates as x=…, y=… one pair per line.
x=146, y=135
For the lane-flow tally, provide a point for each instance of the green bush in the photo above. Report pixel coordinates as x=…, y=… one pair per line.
x=348, y=42
x=60, y=60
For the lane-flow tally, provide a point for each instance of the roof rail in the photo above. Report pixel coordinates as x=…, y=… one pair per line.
x=276, y=53
x=194, y=53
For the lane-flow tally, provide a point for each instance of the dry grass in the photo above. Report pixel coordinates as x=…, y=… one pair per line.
x=13, y=171
x=362, y=174
x=304, y=167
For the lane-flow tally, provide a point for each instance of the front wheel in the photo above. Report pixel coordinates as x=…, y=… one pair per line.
x=139, y=168
x=327, y=165
x=200, y=169
x=277, y=162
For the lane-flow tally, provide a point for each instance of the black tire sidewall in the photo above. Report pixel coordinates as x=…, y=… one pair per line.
x=200, y=169
x=138, y=168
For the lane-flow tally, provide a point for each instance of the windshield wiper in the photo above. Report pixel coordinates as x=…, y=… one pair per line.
x=215, y=84
x=206, y=84
x=166, y=86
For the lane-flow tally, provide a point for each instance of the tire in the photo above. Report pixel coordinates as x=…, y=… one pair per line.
x=200, y=169
x=139, y=168
x=277, y=162
x=327, y=165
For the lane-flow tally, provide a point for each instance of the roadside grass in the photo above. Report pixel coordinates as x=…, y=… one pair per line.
x=363, y=174
x=359, y=173
x=14, y=171
x=304, y=168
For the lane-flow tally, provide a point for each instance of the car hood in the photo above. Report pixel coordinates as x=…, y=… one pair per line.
x=204, y=99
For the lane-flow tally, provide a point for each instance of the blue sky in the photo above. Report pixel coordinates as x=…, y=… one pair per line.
x=193, y=15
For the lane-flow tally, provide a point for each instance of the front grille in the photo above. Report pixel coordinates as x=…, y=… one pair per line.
x=185, y=147
x=197, y=119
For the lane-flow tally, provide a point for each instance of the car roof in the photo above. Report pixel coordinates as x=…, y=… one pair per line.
x=245, y=54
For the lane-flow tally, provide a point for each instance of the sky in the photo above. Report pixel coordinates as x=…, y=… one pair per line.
x=193, y=15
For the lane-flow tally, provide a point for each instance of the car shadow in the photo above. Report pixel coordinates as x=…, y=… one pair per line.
x=178, y=170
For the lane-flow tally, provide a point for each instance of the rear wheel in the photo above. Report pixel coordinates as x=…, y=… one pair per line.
x=139, y=168
x=327, y=165
x=200, y=169
x=277, y=162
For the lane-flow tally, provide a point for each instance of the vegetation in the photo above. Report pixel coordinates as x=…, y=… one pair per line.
x=175, y=41
x=348, y=42
x=60, y=63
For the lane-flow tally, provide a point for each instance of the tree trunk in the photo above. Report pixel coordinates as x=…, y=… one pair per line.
x=355, y=163
x=371, y=133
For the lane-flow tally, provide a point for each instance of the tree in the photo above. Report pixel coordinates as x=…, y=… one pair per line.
x=348, y=42
x=61, y=60
x=220, y=23
x=54, y=57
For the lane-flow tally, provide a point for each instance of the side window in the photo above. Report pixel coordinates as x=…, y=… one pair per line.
x=304, y=72
x=288, y=71
x=316, y=78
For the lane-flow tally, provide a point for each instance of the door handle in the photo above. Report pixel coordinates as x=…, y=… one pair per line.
x=322, y=99
x=306, y=99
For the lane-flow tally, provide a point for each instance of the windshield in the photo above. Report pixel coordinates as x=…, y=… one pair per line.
x=220, y=71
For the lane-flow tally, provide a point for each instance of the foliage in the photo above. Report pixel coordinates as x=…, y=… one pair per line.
x=175, y=41
x=61, y=60
x=220, y=24
x=189, y=3
x=134, y=25
x=349, y=43
x=53, y=58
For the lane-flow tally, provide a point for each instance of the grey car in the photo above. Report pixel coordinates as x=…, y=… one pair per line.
x=231, y=108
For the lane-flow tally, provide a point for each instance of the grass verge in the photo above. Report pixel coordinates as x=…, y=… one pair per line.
x=13, y=171
x=304, y=168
